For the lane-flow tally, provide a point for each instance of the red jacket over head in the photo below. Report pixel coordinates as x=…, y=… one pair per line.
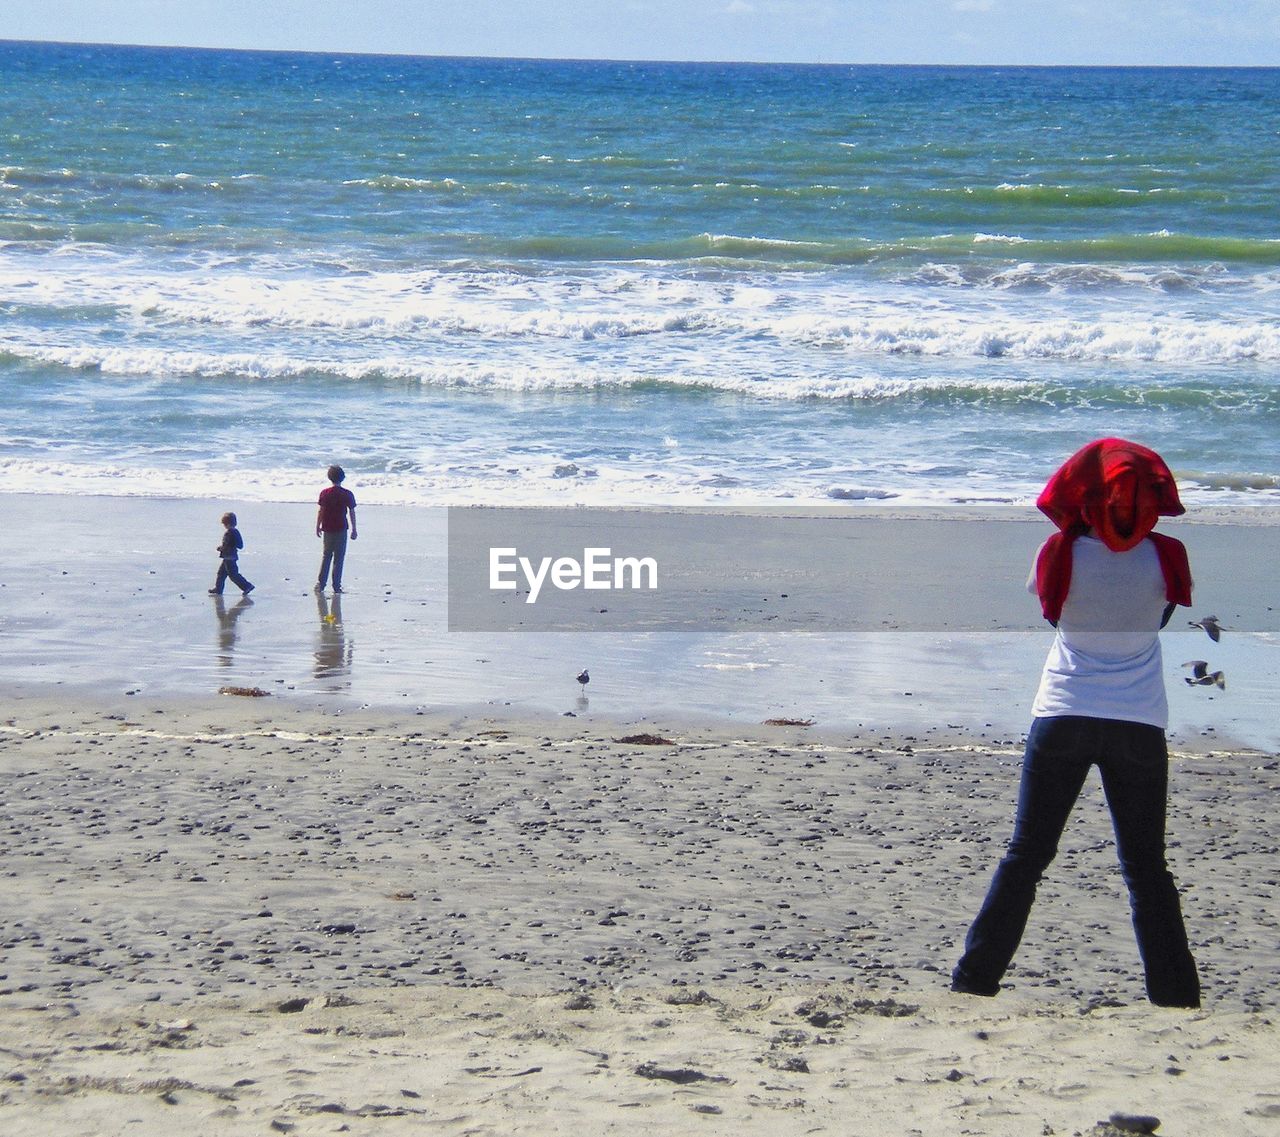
x=1118, y=489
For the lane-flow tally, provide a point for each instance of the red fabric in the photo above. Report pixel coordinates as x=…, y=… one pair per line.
x=1053, y=574
x=1117, y=489
x=1176, y=569
x=334, y=503
x=1103, y=481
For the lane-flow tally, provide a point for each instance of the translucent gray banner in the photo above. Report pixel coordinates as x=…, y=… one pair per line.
x=577, y=570
x=776, y=570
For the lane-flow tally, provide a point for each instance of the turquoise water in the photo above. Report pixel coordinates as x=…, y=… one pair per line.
x=519, y=281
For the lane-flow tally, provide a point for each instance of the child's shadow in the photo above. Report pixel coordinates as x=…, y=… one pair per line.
x=333, y=650
x=227, y=618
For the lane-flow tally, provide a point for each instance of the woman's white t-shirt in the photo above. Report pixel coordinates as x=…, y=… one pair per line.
x=1105, y=661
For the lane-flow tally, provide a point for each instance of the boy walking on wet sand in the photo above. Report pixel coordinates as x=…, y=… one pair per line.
x=229, y=551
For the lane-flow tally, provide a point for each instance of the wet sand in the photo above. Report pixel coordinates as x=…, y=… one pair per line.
x=108, y=594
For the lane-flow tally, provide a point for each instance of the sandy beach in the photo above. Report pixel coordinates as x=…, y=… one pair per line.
x=241, y=915
x=424, y=882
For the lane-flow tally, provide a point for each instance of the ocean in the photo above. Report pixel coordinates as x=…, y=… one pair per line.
x=538, y=282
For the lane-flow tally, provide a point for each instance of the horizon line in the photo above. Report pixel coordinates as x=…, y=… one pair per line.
x=641, y=59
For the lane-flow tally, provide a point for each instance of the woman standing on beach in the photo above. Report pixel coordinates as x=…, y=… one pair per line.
x=1108, y=584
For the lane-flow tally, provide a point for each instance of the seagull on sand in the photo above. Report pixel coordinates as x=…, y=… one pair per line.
x=1209, y=624
x=583, y=679
x=1201, y=676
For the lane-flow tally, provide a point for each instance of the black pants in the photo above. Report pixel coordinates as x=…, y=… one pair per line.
x=229, y=568
x=1134, y=763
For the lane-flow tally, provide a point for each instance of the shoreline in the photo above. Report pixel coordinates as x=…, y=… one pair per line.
x=1198, y=513
x=871, y=737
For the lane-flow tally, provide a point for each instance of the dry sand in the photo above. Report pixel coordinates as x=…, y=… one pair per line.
x=247, y=916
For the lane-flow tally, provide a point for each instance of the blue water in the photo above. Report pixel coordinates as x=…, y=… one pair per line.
x=530, y=281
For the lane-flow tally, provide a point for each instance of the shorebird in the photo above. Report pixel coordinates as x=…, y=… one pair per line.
x=1201, y=676
x=583, y=679
x=1209, y=624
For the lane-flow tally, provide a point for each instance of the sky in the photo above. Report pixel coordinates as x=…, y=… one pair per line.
x=1103, y=32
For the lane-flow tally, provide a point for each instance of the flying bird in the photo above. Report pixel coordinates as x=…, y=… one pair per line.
x=1210, y=625
x=1201, y=676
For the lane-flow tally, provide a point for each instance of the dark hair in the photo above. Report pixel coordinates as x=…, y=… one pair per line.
x=336, y=474
x=228, y=519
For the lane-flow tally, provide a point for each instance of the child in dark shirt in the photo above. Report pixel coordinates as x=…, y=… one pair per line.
x=229, y=551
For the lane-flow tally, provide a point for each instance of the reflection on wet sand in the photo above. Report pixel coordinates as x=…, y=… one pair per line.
x=227, y=618
x=333, y=649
